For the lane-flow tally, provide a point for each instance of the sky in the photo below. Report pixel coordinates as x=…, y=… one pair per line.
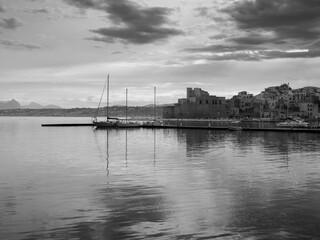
x=61, y=51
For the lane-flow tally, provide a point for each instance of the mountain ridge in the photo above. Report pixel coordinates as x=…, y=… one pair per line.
x=14, y=104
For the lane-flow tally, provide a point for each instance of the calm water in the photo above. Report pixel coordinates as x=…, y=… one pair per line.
x=80, y=183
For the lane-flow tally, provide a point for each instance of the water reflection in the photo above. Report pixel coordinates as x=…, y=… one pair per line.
x=267, y=212
x=161, y=184
x=126, y=148
x=154, y=147
x=129, y=212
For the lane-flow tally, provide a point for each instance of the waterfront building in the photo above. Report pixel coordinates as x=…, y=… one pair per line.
x=274, y=102
x=308, y=110
x=197, y=104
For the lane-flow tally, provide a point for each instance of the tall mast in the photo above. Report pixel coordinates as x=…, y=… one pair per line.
x=126, y=104
x=108, y=99
x=155, y=104
x=104, y=87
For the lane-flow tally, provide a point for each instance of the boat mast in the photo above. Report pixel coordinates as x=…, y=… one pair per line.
x=126, y=105
x=104, y=88
x=155, y=104
x=108, y=99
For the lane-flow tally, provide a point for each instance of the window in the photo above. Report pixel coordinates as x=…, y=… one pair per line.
x=207, y=101
x=200, y=101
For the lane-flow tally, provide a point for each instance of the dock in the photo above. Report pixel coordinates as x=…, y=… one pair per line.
x=199, y=125
x=67, y=125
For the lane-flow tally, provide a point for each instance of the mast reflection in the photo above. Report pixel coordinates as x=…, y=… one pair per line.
x=107, y=155
x=126, y=148
x=154, y=147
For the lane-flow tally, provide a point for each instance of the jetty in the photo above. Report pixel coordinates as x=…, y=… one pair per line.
x=205, y=124
x=67, y=124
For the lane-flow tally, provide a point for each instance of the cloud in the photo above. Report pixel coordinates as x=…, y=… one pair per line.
x=132, y=23
x=10, y=23
x=223, y=53
x=203, y=12
x=221, y=48
x=17, y=45
x=288, y=19
x=2, y=8
x=40, y=10
x=264, y=29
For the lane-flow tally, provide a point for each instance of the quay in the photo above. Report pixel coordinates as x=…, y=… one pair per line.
x=67, y=125
x=205, y=124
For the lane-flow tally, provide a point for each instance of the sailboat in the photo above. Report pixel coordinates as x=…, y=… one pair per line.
x=109, y=122
x=125, y=123
x=155, y=122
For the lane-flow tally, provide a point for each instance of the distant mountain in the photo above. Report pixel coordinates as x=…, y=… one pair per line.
x=33, y=105
x=13, y=104
x=51, y=106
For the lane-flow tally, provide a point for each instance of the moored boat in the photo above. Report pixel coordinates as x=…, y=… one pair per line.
x=125, y=123
x=128, y=124
x=109, y=122
x=235, y=126
x=293, y=123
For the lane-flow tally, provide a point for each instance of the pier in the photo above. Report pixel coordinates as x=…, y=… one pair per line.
x=204, y=124
x=67, y=125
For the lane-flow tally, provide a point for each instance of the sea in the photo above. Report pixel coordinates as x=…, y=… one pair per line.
x=85, y=183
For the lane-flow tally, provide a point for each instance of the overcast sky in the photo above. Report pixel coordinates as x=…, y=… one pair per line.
x=60, y=51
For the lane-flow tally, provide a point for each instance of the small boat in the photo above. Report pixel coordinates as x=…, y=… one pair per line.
x=153, y=123
x=235, y=126
x=109, y=123
x=125, y=123
x=293, y=123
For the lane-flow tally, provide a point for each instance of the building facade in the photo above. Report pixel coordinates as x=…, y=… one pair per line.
x=197, y=104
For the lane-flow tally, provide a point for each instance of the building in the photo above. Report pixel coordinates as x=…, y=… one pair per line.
x=197, y=104
x=308, y=110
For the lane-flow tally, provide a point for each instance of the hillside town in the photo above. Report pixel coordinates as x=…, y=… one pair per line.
x=276, y=102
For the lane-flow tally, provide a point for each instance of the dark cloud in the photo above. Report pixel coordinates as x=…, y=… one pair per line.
x=288, y=19
x=2, y=8
x=266, y=29
x=40, y=10
x=132, y=35
x=10, y=23
x=133, y=23
x=85, y=3
x=17, y=45
x=221, y=48
x=256, y=39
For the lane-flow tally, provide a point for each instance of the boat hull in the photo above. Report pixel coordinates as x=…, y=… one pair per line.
x=128, y=125
x=103, y=124
x=235, y=128
x=292, y=124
